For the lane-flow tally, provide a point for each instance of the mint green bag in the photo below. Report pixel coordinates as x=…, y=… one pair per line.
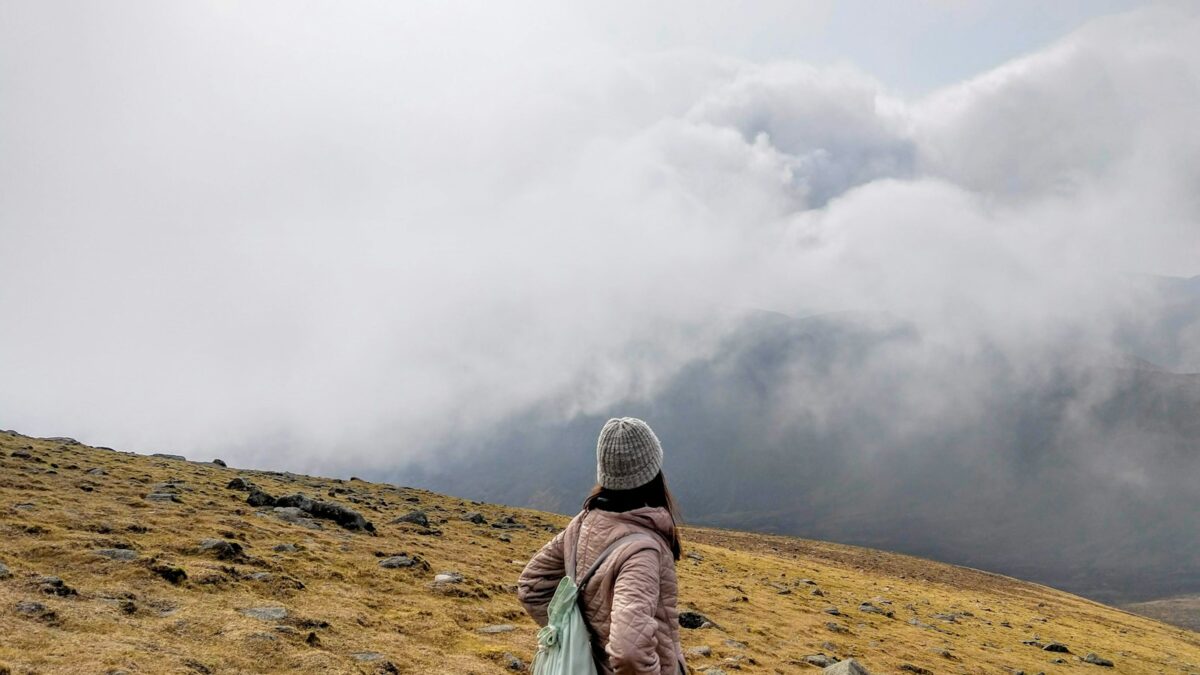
x=565, y=644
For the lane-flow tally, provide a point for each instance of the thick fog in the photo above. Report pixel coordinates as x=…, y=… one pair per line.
x=350, y=239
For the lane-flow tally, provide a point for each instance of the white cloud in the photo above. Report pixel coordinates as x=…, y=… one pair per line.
x=344, y=234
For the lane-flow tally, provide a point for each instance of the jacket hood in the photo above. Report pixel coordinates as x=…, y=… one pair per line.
x=656, y=519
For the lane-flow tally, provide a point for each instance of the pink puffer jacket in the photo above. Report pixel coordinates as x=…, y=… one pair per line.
x=629, y=602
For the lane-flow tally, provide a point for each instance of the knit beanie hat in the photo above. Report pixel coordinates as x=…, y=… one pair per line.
x=628, y=454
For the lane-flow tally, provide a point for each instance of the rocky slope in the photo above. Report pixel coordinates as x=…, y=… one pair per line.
x=113, y=562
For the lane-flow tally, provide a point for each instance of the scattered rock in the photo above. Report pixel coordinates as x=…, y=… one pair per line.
x=258, y=497
x=119, y=554
x=219, y=462
x=97, y=472
x=4, y=571
x=475, y=517
x=285, y=548
x=367, y=656
x=836, y=627
x=413, y=517
x=163, y=455
x=402, y=560
x=448, y=578
x=847, y=667
x=62, y=440
x=1056, y=647
x=21, y=454
x=344, y=516
x=265, y=613
x=171, y=573
x=508, y=523
x=819, y=660
x=223, y=549
x=55, y=586
x=505, y=538
x=915, y=669
x=293, y=515
x=36, y=610
x=498, y=628
x=695, y=556
x=239, y=483
x=1097, y=660
x=949, y=618
x=703, y=651
x=692, y=620
x=163, y=497
x=511, y=662
x=834, y=611
x=872, y=609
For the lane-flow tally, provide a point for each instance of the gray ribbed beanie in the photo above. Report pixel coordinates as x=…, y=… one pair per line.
x=628, y=454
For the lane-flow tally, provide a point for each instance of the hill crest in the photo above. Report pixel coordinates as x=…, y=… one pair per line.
x=115, y=562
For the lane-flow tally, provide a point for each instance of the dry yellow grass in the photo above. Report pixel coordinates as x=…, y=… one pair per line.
x=54, y=515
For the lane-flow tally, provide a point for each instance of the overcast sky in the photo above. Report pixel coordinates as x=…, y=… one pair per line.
x=340, y=231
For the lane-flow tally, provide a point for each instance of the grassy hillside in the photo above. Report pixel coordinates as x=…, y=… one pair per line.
x=196, y=580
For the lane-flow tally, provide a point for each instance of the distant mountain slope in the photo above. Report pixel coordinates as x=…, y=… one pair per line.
x=1074, y=469
x=101, y=577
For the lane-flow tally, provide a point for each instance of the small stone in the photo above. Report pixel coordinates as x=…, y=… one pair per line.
x=265, y=613
x=475, y=517
x=367, y=656
x=505, y=538
x=847, y=667
x=1097, y=660
x=1057, y=647
x=703, y=651
x=915, y=669
x=4, y=571
x=163, y=455
x=96, y=472
x=692, y=620
x=872, y=609
x=239, y=483
x=222, y=549
x=399, y=561
x=836, y=627
x=695, y=556
x=171, y=573
x=55, y=586
x=511, y=662
x=119, y=554
x=498, y=628
x=413, y=517
x=163, y=497
x=448, y=578
x=30, y=607
x=819, y=660
x=219, y=462
x=833, y=611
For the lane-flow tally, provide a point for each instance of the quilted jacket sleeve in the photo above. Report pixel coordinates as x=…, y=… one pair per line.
x=633, y=636
x=540, y=578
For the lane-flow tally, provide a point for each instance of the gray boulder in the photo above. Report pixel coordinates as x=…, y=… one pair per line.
x=118, y=554
x=265, y=613
x=847, y=667
x=414, y=517
x=1097, y=660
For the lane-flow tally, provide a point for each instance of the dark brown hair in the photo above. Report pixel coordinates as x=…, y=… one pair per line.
x=654, y=493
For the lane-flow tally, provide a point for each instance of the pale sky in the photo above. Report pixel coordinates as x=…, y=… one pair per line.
x=240, y=227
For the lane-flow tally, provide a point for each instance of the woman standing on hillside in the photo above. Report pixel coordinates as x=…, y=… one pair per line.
x=629, y=602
